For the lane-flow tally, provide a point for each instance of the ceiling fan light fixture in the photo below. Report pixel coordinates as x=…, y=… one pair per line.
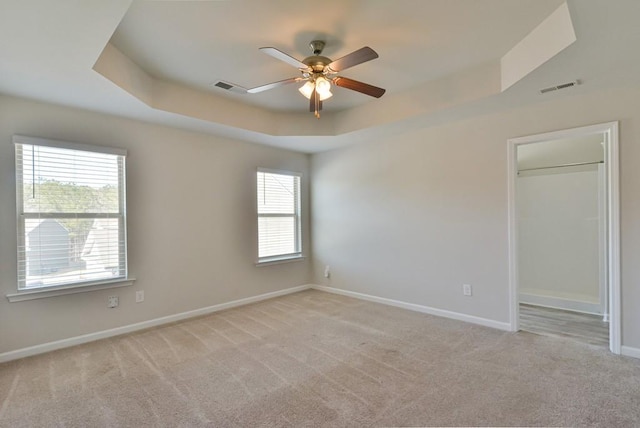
x=322, y=85
x=323, y=88
x=318, y=73
x=307, y=89
x=324, y=95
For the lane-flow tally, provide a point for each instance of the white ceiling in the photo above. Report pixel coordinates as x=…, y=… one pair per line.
x=178, y=48
x=198, y=43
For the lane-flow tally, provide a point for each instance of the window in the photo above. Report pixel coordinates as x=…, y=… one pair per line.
x=71, y=214
x=279, y=236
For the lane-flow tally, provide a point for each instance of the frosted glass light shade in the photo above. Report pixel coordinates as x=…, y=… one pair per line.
x=322, y=85
x=325, y=95
x=307, y=89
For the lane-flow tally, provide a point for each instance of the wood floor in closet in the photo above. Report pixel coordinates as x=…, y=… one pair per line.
x=556, y=322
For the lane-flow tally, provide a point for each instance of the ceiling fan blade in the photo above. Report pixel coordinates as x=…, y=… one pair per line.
x=278, y=54
x=273, y=85
x=354, y=58
x=354, y=85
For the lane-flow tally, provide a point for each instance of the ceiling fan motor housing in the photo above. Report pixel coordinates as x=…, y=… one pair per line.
x=317, y=63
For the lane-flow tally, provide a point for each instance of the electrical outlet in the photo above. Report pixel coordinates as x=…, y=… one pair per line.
x=139, y=296
x=466, y=289
x=327, y=272
x=112, y=302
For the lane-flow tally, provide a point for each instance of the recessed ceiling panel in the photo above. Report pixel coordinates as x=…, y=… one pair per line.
x=198, y=43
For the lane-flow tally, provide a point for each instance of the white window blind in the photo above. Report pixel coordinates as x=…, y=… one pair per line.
x=71, y=213
x=279, y=234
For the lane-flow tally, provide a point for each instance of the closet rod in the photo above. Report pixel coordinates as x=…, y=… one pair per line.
x=560, y=166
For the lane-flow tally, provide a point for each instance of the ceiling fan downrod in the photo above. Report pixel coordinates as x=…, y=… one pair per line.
x=317, y=46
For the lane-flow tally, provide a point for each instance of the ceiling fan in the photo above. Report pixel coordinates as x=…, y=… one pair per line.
x=319, y=73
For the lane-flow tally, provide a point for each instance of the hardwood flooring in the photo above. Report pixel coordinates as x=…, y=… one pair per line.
x=556, y=322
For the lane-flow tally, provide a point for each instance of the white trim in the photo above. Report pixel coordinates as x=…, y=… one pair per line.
x=91, y=337
x=298, y=233
x=34, y=141
x=562, y=134
x=280, y=260
x=561, y=303
x=417, y=308
x=280, y=172
x=514, y=304
x=68, y=284
x=613, y=204
x=78, y=340
x=628, y=351
x=613, y=207
x=603, y=289
x=41, y=293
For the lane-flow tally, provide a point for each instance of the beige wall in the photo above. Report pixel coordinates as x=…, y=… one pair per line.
x=410, y=217
x=415, y=216
x=191, y=218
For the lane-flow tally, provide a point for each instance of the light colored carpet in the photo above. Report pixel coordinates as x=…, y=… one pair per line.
x=317, y=359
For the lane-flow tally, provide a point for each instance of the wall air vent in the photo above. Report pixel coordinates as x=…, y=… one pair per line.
x=558, y=87
x=227, y=86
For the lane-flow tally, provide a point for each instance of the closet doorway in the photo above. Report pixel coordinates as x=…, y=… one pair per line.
x=564, y=234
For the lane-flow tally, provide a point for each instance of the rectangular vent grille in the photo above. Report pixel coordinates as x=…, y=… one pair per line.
x=223, y=85
x=558, y=87
x=228, y=86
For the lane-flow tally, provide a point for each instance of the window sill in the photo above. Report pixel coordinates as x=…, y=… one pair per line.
x=41, y=293
x=277, y=261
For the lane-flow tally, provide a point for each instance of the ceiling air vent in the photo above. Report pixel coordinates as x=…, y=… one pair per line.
x=227, y=86
x=558, y=87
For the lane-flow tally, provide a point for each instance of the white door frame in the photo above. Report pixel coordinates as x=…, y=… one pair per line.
x=612, y=163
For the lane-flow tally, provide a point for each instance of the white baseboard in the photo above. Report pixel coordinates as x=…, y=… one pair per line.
x=560, y=303
x=78, y=340
x=418, y=308
x=630, y=352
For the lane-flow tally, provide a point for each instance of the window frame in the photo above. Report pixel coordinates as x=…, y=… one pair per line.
x=298, y=234
x=69, y=287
